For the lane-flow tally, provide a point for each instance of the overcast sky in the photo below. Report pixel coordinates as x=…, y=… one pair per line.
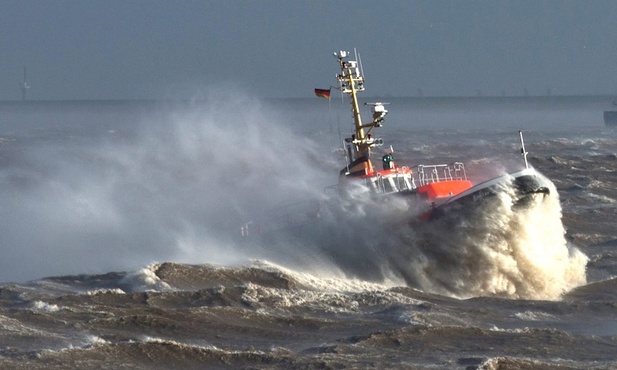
x=128, y=49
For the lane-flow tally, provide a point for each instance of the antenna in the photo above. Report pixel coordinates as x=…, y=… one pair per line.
x=24, y=86
x=523, y=149
x=360, y=64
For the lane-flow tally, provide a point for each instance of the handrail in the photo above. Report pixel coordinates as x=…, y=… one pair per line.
x=428, y=174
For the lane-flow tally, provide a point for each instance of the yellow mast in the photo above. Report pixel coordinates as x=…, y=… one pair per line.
x=351, y=82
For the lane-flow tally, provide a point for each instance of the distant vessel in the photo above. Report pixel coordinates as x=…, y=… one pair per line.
x=610, y=116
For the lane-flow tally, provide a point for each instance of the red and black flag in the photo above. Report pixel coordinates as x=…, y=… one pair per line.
x=322, y=93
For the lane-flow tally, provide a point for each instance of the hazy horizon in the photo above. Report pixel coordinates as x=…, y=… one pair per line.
x=369, y=97
x=101, y=50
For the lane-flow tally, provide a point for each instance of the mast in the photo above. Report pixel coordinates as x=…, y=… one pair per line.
x=523, y=151
x=351, y=82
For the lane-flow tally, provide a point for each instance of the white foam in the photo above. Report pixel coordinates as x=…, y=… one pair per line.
x=149, y=339
x=307, y=299
x=45, y=307
x=331, y=294
x=498, y=250
x=94, y=340
x=329, y=279
x=146, y=280
x=601, y=198
x=105, y=291
x=518, y=253
x=534, y=316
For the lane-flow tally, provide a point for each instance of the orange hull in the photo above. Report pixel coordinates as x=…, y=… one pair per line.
x=444, y=189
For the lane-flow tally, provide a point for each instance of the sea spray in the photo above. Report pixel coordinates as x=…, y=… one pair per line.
x=498, y=247
x=175, y=183
x=503, y=248
x=179, y=184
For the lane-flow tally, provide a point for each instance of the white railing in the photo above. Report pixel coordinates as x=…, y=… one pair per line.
x=428, y=174
x=393, y=183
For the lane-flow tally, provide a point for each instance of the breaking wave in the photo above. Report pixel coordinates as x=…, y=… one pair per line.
x=498, y=248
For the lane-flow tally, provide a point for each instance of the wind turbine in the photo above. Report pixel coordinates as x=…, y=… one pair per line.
x=24, y=86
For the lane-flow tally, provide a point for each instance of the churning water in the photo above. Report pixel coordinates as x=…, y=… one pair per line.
x=121, y=222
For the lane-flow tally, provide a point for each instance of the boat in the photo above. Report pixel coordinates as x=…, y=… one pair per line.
x=438, y=186
x=430, y=191
x=610, y=116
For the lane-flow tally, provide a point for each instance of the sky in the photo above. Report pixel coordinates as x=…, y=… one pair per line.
x=164, y=49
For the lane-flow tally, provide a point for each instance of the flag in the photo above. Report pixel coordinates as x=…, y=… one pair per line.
x=323, y=93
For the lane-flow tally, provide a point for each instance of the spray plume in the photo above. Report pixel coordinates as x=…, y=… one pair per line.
x=180, y=188
x=497, y=248
x=176, y=189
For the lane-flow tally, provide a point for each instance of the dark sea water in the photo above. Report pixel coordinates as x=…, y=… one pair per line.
x=121, y=246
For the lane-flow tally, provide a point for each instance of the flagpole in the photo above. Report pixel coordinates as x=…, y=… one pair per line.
x=330, y=121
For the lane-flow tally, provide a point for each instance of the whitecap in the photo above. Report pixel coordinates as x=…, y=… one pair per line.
x=45, y=307
x=146, y=280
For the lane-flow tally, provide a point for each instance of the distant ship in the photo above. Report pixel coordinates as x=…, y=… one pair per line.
x=610, y=116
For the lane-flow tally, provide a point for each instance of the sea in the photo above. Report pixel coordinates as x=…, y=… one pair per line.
x=124, y=237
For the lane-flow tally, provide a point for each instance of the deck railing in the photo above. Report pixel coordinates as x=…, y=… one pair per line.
x=428, y=174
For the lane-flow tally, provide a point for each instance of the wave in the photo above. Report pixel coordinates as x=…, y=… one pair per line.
x=268, y=316
x=153, y=353
x=494, y=249
x=505, y=250
x=603, y=291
